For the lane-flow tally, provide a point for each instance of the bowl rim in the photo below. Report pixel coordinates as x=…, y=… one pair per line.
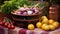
x=27, y=15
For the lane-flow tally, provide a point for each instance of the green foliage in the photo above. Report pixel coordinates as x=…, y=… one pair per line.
x=8, y=6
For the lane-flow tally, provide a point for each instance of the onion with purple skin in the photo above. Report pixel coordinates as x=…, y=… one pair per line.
x=25, y=13
x=34, y=8
x=22, y=9
x=36, y=11
x=33, y=11
x=19, y=13
x=31, y=8
x=22, y=12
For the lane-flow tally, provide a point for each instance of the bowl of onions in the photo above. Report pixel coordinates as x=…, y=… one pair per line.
x=26, y=15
